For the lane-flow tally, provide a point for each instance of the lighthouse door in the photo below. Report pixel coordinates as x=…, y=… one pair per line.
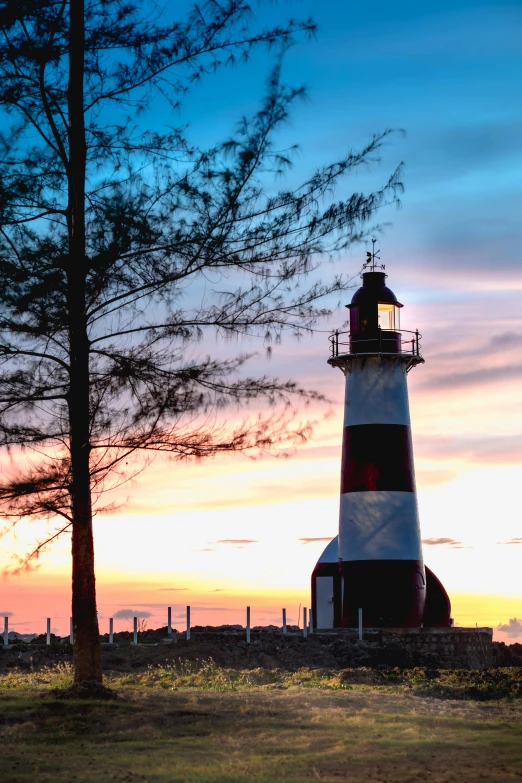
x=324, y=591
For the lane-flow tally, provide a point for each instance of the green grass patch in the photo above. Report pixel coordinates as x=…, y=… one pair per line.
x=196, y=723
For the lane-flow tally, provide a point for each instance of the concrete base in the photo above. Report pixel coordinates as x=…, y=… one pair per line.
x=454, y=647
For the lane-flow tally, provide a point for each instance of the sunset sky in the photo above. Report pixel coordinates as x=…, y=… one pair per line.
x=222, y=534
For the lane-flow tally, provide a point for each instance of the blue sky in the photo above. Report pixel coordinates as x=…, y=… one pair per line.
x=448, y=73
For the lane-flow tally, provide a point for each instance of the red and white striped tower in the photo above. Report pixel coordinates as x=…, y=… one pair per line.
x=379, y=549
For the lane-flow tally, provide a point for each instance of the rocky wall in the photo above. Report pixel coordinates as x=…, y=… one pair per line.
x=455, y=647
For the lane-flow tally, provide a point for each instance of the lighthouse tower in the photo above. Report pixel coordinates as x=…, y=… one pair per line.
x=376, y=562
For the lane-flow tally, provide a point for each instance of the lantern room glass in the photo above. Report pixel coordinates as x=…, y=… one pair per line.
x=389, y=316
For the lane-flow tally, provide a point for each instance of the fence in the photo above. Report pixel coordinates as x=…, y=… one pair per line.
x=307, y=626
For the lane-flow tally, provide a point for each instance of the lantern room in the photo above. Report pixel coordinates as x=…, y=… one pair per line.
x=374, y=317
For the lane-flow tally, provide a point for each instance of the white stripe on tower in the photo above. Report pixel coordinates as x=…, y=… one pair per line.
x=376, y=392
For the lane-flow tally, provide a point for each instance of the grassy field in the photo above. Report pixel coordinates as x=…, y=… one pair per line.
x=205, y=725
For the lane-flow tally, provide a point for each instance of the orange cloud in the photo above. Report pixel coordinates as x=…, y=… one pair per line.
x=442, y=542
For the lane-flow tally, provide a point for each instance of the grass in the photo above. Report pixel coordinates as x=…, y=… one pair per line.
x=478, y=685
x=197, y=723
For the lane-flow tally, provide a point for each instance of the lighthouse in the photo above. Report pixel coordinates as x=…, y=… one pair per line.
x=376, y=564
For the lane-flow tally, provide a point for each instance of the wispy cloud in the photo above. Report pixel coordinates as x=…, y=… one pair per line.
x=501, y=449
x=217, y=590
x=171, y=589
x=312, y=540
x=505, y=340
x=434, y=478
x=180, y=616
x=237, y=541
x=176, y=606
x=258, y=494
x=513, y=627
x=511, y=541
x=442, y=542
x=206, y=549
x=150, y=605
x=474, y=378
x=128, y=614
x=497, y=344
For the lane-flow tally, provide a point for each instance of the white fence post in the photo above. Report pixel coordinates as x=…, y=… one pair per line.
x=305, y=623
x=360, y=624
x=248, y=625
x=111, y=630
x=311, y=623
x=71, y=632
x=135, y=630
x=169, y=620
x=6, y=631
x=284, y=621
x=48, y=630
x=188, y=622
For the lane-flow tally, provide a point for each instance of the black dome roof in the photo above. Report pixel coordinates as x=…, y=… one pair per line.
x=374, y=290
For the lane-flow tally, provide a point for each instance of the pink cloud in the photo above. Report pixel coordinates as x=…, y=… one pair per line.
x=512, y=628
x=474, y=378
x=501, y=449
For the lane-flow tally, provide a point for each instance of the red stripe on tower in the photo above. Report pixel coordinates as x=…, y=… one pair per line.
x=377, y=457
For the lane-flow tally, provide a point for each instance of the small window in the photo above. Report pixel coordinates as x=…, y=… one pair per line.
x=389, y=317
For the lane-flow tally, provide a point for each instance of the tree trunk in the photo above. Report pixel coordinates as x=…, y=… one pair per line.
x=87, y=654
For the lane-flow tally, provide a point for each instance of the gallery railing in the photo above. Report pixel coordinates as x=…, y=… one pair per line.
x=391, y=342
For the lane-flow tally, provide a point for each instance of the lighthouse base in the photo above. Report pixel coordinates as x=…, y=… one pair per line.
x=391, y=593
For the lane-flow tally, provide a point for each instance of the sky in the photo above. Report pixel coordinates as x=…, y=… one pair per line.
x=222, y=534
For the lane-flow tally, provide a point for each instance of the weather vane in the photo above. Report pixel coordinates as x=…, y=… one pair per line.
x=371, y=257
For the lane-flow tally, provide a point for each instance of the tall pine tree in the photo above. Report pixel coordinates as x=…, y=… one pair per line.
x=107, y=229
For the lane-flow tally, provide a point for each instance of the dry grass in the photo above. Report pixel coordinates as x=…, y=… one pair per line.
x=199, y=724
x=475, y=685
